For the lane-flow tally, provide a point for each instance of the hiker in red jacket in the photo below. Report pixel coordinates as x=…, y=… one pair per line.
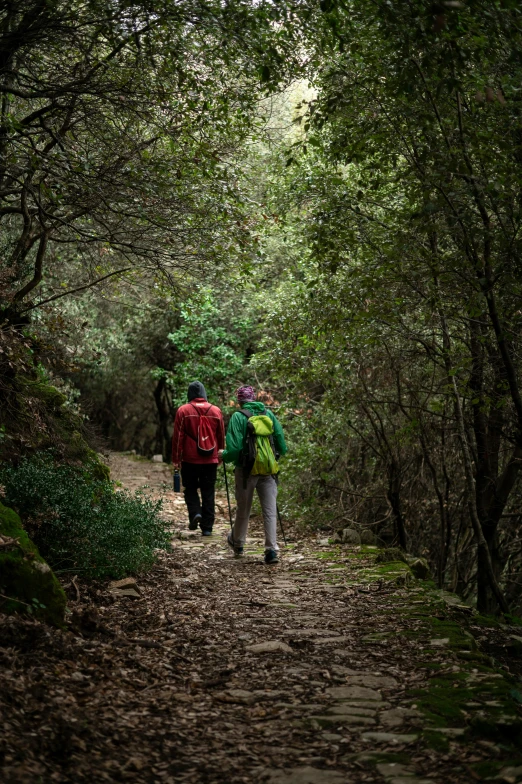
x=198, y=435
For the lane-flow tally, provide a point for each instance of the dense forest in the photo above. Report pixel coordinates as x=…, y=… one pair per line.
x=323, y=200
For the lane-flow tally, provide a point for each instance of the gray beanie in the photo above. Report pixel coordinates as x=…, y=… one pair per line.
x=196, y=389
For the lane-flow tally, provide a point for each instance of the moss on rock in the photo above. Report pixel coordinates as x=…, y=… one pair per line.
x=48, y=394
x=27, y=583
x=391, y=554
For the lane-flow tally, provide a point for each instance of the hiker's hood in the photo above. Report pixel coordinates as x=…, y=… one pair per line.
x=254, y=406
x=196, y=389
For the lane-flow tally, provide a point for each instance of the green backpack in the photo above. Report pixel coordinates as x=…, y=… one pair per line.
x=258, y=456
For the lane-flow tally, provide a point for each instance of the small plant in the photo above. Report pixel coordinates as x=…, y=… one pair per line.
x=35, y=606
x=79, y=523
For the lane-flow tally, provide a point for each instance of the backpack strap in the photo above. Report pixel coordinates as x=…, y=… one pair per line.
x=244, y=455
x=200, y=414
x=248, y=413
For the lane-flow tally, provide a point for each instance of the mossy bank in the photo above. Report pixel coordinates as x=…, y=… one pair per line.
x=27, y=583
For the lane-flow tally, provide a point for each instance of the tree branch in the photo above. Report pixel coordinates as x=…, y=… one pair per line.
x=38, y=269
x=77, y=289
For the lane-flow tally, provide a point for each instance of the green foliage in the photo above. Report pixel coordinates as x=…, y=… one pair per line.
x=34, y=414
x=80, y=523
x=130, y=166
x=211, y=343
x=404, y=193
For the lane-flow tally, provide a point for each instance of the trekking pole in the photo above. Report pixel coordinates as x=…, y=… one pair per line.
x=228, y=499
x=276, y=477
x=281, y=524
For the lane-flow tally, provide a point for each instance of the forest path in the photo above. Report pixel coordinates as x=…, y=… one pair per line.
x=164, y=683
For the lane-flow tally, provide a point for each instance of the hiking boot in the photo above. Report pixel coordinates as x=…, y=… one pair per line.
x=237, y=548
x=196, y=520
x=206, y=532
x=271, y=557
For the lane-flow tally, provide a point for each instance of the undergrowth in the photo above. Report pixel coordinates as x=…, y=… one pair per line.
x=79, y=522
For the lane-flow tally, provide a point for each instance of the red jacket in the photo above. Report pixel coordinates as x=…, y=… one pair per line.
x=184, y=437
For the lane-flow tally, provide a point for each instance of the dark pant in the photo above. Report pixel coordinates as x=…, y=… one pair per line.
x=202, y=477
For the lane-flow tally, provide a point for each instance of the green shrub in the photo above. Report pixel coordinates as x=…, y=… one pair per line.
x=79, y=523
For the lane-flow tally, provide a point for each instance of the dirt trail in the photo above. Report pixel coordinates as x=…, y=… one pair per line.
x=175, y=685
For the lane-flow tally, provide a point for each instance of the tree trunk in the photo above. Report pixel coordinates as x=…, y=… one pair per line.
x=162, y=432
x=394, y=497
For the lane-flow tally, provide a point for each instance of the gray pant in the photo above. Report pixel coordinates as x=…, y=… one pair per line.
x=267, y=491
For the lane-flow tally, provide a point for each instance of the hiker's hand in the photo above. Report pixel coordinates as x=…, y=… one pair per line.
x=220, y=454
x=176, y=466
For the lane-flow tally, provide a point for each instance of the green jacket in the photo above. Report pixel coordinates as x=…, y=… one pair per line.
x=237, y=428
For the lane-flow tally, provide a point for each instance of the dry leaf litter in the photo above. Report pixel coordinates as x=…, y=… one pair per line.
x=215, y=669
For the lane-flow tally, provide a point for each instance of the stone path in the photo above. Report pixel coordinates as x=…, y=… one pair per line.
x=327, y=669
x=321, y=677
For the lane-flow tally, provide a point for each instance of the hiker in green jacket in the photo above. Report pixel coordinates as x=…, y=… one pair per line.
x=256, y=428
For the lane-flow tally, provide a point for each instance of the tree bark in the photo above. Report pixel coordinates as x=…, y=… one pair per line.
x=162, y=432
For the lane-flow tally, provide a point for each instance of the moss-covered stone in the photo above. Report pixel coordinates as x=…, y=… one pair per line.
x=391, y=554
x=420, y=568
x=27, y=583
x=51, y=396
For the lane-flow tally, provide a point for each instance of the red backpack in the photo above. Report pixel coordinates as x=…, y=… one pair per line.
x=206, y=440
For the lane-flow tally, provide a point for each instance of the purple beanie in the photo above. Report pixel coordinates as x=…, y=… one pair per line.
x=245, y=394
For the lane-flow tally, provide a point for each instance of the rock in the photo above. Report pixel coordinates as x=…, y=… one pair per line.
x=157, y=458
x=389, y=769
x=127, y=583
x=25, y=577
x=331, y=736
x=337, y=721
x=264, y=695
x=449, y=732
x=409, y=780
x=330, y=640
x=335, y=539
x=305, y=775
x=388, y=737
x=372, y=681
x=187, y=535
x=333, y=588
x=240, y=696
x=270, y=646
x=300, y=706
x=340, y=669
x=352, y=710
x=323, y=542
x=373, y=757
x=133, y=593
x=510, y=774
x=182, y=696
x=368, y=537
x=353, y=693
x=440, y=642
x=371, y=705
x=420, y=568
x=390, y=555
x=397, y=716
x=350, y=536
x=403, y=580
